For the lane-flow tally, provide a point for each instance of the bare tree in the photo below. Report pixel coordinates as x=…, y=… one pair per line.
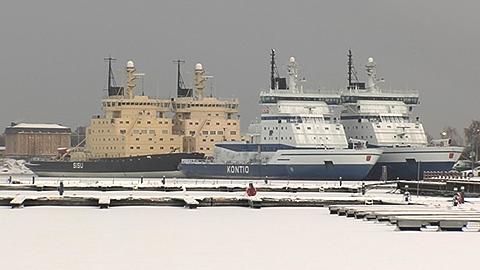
x=472, y=138
x=429, y=137
x=453, y=135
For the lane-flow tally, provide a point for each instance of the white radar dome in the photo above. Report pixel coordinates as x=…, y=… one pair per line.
x=292, y=59
x=370, y=59
x=130, y=64
x=198, y=66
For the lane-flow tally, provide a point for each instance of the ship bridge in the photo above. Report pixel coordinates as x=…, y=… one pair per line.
x=275, y=96
x=410, y=97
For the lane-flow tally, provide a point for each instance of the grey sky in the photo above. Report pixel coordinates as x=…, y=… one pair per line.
x=52, y=67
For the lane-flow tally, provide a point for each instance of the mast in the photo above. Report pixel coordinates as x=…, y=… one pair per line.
x=110, y=73
x=180, y=83
x=272, y=70
x=350, y=68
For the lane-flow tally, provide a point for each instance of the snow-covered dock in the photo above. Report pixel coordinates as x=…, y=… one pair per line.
x=103, y=201
x=414, y=217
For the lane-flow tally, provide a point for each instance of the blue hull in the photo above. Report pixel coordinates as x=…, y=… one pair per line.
x=408, y=170
x=284, y=172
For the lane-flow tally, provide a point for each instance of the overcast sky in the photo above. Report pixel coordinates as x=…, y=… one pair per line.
x=52, y=68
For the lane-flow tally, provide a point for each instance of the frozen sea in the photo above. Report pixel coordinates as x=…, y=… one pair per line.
x=219, y=238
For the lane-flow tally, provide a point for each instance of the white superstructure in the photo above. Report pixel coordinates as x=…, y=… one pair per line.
x=384, y=119
x=294, y=139
x=381, y=118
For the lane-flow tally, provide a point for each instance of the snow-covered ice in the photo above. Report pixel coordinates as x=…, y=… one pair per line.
x=219, y=238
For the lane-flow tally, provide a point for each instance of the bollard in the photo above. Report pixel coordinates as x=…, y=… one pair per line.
x=61, y=188
x=406, y=195
x=455, y=197
x=141, y=179
x=33, y=180
x=461, y=199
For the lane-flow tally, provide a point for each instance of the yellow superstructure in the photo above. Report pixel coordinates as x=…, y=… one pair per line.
x=134, y=125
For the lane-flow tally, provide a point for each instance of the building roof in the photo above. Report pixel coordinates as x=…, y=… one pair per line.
x=49, y=126
x=36, y=128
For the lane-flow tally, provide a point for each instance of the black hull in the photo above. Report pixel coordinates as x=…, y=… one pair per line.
x=139, y=166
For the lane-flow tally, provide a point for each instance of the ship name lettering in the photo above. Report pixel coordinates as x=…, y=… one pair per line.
x=78, y=165
x=235, y=169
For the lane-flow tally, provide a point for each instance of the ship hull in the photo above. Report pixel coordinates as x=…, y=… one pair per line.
x=139, y=166
x=411, y=163
x=319, y=165
x=281, y=172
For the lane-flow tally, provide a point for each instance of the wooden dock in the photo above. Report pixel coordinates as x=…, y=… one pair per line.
x=188, y=201
x=414, y=217
x=104, y=202
x=17, y=201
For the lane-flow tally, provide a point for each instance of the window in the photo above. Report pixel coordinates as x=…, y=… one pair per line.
x=220, y=132
x=205, y=132
x=213, y=132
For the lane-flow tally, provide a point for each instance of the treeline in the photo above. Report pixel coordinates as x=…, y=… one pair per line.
x=470, y=139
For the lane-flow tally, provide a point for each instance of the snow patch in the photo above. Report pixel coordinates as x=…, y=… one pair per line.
x=10, y=166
